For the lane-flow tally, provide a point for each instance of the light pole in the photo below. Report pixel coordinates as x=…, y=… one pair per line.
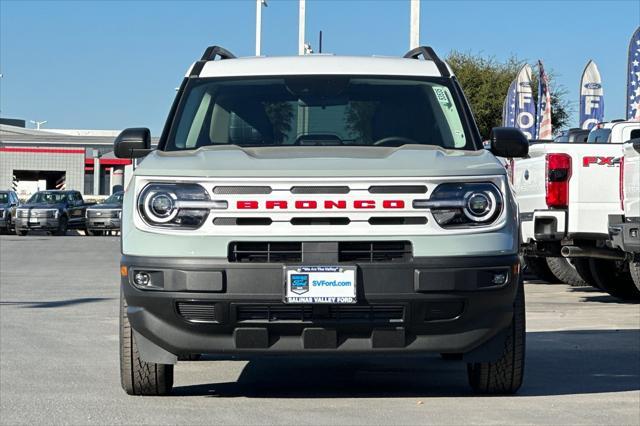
x=37, y=123
x=414, y=32
x=301, y=16
x=259, y=4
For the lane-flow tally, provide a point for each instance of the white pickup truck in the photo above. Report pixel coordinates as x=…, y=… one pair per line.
x=566, y=193
x=624, y=229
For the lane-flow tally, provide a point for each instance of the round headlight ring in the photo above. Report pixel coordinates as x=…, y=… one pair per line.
x=473, y=209
x=159, y=206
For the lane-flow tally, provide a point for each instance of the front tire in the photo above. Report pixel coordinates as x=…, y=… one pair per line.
x=137, y=376
x=614, y=277
x=539, y=267
x=565, y=272
x=63, y=224
x=634, y=270
x=505, y=375
x=20, y=232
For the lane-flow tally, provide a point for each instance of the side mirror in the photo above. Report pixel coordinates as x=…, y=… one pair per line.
x=636, y=144
x=133, y=143
x=508, y=142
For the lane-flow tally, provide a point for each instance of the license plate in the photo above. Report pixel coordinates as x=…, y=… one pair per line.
x=33, y=220
x=320, y=284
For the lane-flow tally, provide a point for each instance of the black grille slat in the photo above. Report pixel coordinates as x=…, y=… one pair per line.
x=374, y=251
x=197, y=311
x=398, y=220
x=398, y=189
x=315, y=221
x=335, y=313
x=242, y=221
x=265, y=252
x=320, y=190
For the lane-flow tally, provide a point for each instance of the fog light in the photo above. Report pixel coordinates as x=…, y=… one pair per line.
x=142, y=279
x=500, y=278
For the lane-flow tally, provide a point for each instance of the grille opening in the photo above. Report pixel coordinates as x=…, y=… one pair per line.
x=398, y=189
x=197, y=311
x=320, y=190
x=226, y=190
x=408, y=220
x=242, y=221
x=320, y=221
x=374, y=251
x=443, y=311
x=332, y=313
x=265, y=252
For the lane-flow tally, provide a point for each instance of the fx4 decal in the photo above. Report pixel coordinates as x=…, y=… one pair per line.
x=598, y=161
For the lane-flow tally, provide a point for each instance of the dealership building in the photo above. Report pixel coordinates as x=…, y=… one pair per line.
x=82, y=160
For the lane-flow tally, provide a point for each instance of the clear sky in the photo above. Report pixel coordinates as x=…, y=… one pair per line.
x=115, y=64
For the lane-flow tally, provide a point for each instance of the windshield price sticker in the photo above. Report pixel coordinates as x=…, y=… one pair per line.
x=320, y=284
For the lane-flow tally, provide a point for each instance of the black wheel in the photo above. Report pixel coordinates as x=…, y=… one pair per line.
x=584, y=270
x=538, y=266
x=634, y=270
x=563, y=269
x=613, y=276
x=89, y=232
x=21, y=232
x=139, y=377
x=505, y=375
x=63, y=224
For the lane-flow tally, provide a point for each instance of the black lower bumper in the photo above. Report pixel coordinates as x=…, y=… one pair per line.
x=446, y=305
x=47, y=224
x=624, y=233
x=102, y=224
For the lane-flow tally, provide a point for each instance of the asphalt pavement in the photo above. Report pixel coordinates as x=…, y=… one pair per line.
x=59, y=361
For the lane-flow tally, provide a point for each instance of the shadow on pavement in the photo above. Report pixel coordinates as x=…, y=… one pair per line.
x=55, y=303
x=558, y=363
x=596, y=295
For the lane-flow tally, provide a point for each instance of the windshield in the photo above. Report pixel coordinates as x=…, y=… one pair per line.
x=318, y=111
x=599, y=136
x=48, y=197
x=115, y=198
x=4, y=197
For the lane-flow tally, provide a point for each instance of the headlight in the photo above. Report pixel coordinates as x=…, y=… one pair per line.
x=464, y=204
x=174, y=205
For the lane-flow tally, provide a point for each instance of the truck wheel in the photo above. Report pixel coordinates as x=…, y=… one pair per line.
x=565, y=272
x=89, y=232
x=584, y=270
x=634, y=270
x=538, y=266
x=21, y=232
x=504, y=376
x=614, y=277
x=62, y=226
x=137, y=376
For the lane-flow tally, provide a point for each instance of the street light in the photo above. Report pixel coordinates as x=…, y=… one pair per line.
x=414, y=32
x=259, y=4
x=37, y=123
x=301, y=17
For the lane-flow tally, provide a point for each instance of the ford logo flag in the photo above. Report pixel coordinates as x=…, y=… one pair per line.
x=591, y=97
x=525, y=109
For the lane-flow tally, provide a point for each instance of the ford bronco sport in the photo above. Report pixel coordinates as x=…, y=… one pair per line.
x=320, y=205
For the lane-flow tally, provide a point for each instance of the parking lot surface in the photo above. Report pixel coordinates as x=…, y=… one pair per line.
x=59, y=360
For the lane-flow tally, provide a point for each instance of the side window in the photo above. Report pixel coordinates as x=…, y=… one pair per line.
x=635, y=133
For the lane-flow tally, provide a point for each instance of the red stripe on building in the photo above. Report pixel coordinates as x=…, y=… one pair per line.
x=43, y=150
x=109, y=161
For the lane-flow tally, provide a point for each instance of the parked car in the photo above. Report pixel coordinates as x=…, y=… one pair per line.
x=572, y=135
x=624, y=229
x=566, y=193
x=54, y=211
x=8, y=202
x=105, y=217
x=320, y=205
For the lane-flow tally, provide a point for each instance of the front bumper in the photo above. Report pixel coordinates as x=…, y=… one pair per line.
x=99, y=223
x=625, y=233
x=445, y=305
x=36, y=223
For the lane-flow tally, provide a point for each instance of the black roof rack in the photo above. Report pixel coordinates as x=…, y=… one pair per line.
x=210, y=54
x=428, y=54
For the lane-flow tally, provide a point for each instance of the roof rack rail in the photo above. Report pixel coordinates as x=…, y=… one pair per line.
x=210, y=54
x=428, y=54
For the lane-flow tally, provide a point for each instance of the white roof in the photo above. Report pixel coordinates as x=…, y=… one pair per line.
x=319, y=64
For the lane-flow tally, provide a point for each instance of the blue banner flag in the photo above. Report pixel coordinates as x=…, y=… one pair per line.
x=633, y=78
x=509, y=108
x=525, y=109
x=591, y=97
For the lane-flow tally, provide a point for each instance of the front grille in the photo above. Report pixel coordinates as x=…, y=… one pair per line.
x=265, y=252
x=319, y=313
x=43, y=213
x=23, y=213
x=228, y=190
x=107, y=214
x=374, y=251
x=197, y=311
x=1, y=213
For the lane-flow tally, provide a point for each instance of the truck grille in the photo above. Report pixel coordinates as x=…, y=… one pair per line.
x=374, y=251
x=304, y=313
x=103, y=213
x=348, y=251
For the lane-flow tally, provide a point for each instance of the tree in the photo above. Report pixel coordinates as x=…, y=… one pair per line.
x=485, y=82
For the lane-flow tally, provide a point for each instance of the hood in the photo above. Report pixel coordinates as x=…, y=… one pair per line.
x=104, y=206
x=404, y=161
x=42, y=206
